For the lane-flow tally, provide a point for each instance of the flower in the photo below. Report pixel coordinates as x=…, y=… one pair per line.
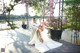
x=53, y=23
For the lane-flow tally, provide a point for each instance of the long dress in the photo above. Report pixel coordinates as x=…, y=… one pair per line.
x=34, y=28
x=47, y=44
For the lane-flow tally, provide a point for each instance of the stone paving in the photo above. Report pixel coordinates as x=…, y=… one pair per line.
x=15, y=41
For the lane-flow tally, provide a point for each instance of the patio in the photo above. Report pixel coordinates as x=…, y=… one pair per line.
x=15, y=41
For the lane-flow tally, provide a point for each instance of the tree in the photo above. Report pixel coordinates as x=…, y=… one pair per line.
x=72, y=11
x=38, y=6
x=8, y=9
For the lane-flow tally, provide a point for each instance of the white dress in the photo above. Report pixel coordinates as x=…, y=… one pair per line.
x=47, y=44
x=34, y=28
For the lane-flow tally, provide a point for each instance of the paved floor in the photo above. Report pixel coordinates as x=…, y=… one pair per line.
x=15, y=41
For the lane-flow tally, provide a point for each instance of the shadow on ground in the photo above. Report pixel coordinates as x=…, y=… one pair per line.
x=20, y=43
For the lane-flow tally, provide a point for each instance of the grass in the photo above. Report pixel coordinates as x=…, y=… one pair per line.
x=9, y=28
x=5, y=29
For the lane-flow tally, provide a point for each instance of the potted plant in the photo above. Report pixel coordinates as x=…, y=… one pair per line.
x=24, y=25
x=55, y=32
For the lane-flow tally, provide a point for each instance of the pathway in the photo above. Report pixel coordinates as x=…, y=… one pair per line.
x=15, y=41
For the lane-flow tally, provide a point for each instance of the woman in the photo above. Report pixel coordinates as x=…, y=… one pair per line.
x=41, y=40
x=34, y=29
x=35, y=24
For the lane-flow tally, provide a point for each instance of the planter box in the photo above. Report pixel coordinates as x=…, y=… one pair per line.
x=55, y=34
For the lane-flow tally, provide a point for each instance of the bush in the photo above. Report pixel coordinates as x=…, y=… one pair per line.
x=5, y=29
x=13, y=26
x=2, y=21
x=53, y=23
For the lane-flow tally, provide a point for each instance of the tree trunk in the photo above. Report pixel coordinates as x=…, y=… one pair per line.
x=8, y=21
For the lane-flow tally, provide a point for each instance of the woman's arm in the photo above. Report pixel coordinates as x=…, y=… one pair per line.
x=46, y=25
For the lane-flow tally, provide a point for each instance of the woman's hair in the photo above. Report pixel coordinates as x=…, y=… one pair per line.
x=39, y=35
x=34, y=19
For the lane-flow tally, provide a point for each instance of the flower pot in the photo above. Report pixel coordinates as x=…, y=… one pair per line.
x=24, y=26
x=55, y=34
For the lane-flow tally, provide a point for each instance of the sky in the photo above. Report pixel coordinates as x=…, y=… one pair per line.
x=20, y=9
